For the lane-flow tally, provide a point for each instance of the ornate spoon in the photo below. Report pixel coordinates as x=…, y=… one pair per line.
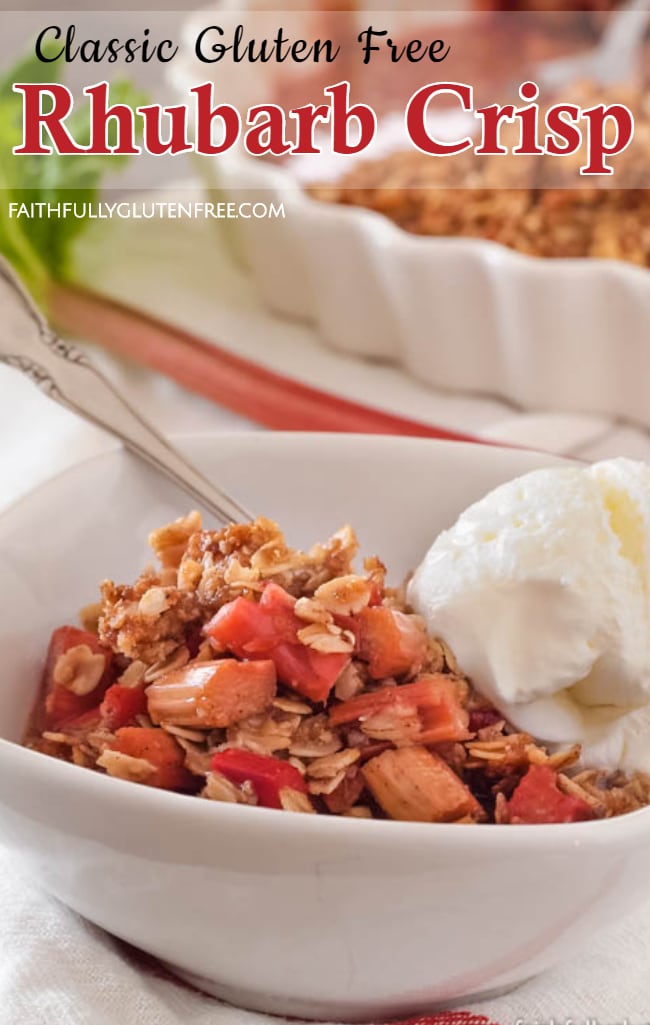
x=65, y=374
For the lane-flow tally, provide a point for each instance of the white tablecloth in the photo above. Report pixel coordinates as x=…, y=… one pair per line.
x=57, y=969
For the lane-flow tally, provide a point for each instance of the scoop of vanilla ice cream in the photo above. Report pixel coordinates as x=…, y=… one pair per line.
x=542, y=591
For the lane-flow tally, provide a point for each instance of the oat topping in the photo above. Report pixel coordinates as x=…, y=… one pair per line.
x=133, y=675
x=79, y=669
x=89, y=616
x=294, y=800
x=292, y=706
x=265, y=734
x=169, y=542
x=143, y=636
x=315, y=738
x=218, y=788
x=344, y=596
x=351, y=681
x=327, y=638
x=330, y=765
x=153, y=603
x=122, y=766
x=312, y=611
x=175, y=660
x=219, y=565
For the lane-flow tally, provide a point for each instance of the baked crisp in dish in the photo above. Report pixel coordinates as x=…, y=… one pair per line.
x=525, y=203
x=245, y=671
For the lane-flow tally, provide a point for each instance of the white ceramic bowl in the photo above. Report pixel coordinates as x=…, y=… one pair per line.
x=302, y=915
x=456, y=313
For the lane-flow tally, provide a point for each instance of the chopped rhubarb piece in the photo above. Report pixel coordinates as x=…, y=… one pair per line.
x=121, y=706
x=62, y=706
x=268, y=629
x=279, y=602
x=161, y=751
x=212, y=694
x=308, y=672
x=428, y=711
x=538, y=799
x=268, y=776
x=61, y=703
x=414, y=785
x=250, y=629
x=391, y=642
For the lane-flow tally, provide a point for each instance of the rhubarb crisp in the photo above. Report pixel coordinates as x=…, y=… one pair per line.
x=245, y=671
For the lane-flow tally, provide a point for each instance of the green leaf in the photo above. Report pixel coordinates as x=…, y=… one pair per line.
x=40, y=247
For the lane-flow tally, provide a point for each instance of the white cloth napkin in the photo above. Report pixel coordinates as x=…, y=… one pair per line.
x=56, y=969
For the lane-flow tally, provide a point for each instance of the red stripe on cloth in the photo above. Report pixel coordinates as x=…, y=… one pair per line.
x=447, y=1018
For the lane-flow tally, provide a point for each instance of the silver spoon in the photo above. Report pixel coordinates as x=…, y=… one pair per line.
x=65, y=374
x=614, y=59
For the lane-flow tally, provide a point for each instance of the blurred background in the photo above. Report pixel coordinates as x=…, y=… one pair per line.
x=317, y=321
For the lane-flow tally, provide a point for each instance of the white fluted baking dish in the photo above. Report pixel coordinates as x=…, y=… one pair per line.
x=457, y=313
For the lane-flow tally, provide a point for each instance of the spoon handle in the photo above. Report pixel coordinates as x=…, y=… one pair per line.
x=64, y=373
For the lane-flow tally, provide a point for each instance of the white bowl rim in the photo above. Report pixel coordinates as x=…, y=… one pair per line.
x=14, y=758
x=149, y=801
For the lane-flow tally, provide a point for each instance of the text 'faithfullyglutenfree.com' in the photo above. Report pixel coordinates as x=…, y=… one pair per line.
x=335, y=123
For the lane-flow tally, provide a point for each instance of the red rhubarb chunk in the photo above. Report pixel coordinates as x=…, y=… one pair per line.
x=121, y=706
x=538, y=799
x=268, y=775
x=62, y=704
x=391, y=642
x=268, y=629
